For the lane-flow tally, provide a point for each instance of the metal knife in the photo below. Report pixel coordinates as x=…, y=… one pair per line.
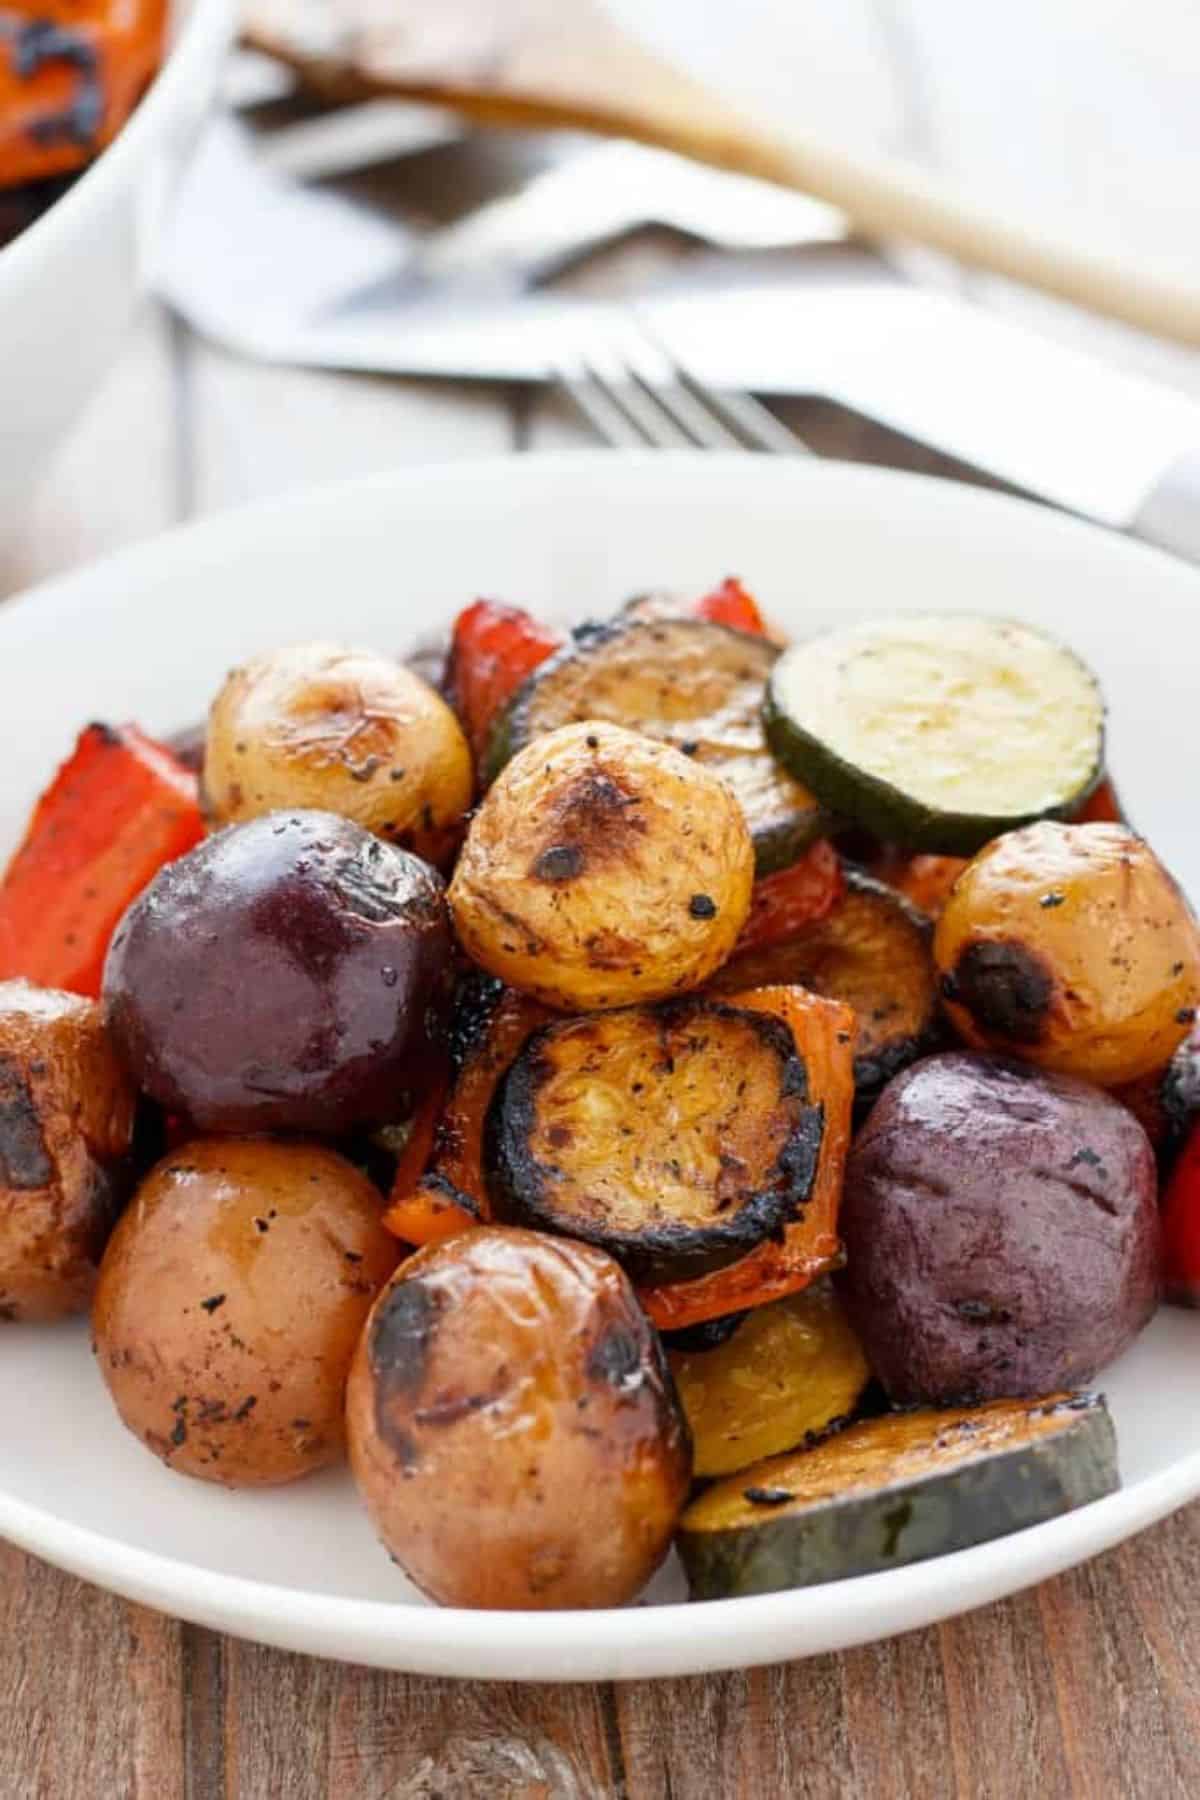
x=302, y=275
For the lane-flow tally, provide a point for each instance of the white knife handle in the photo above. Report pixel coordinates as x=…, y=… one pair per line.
x=1169, y=516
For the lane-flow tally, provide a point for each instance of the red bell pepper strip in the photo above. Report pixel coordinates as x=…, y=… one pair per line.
x=800, y=895
x=1181, y=1227
x=1102, y=807
x=493, y=648
x=120, y=808
x=730, y=604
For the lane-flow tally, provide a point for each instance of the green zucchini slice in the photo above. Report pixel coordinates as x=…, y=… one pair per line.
x=676, y=1137
x=873, y=951
x=690, y=683
x=939, y=733
x=897, y=1490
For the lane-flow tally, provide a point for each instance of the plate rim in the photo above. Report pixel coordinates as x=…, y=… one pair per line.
x=617, y=1643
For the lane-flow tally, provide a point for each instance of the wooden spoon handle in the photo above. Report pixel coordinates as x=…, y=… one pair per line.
x=561, y=63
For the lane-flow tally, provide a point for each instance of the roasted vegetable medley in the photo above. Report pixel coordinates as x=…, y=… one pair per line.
x=658, y=1085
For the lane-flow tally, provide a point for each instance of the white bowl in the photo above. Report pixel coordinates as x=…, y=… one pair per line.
x=69, y=282
x=149, y=635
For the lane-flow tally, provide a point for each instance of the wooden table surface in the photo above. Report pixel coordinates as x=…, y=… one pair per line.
x=1089, y=1685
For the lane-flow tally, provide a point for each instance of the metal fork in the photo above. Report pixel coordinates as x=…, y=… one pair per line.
x=635, y=395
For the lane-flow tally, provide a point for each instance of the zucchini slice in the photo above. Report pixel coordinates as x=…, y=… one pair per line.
x=793, y=1370
x=676, y=1137
x=939, y=733
x=874, y=953
x=690, y=683
x=897, y=1490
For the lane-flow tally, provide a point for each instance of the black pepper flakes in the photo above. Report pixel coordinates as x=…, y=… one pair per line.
x=1053, y=898
x=211, y=1304
x=702, y=906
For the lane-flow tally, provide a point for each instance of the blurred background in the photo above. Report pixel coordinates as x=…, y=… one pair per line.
x=375, y=252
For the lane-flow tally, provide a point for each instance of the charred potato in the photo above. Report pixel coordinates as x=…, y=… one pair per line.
x=513, y=1426
x=290, y=974
x=1071, y=947
x=230, y=1300
x=1001, y=1230
x=603, y=868
x=66, y=1128
x=350, y=732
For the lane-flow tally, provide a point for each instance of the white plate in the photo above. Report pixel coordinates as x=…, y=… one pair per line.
x=149, y=634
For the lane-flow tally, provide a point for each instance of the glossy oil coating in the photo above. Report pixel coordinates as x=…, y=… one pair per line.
x=1071, y=946
x=1001, y=1230
x=288, y=974
x=66, y=1127
x=346, y=730
x=229, y=1304
x=603, y=868
x=513, y=1426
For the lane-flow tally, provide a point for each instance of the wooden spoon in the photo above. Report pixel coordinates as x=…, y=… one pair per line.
x=564, y=63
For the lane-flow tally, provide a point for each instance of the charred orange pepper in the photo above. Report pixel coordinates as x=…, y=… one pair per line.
x=71, y=72
x=444, y=1191
x=925, y=880
x=824, y=1031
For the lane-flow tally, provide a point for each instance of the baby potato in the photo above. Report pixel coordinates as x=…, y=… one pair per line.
x=1001, y=1230
x=603, y=868
x=513, y=1426
x=229, y=1303
x=66, y=1133
x=289, y=974
x=344, y=730
x=1072, y=947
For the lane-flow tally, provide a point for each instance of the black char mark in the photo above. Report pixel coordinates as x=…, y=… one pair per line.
x=25, y=1162
x=1006, y=988
x=401, y=1334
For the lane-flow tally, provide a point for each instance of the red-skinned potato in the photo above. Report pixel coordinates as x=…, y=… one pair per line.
x=513, y=1426
x=289, y=974
x=346, y=730
x=1001, y=1230
x=229, y=1304
x=1071, y=947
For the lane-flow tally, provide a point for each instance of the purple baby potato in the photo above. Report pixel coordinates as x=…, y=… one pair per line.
x=289, y=974
x=1001, y=1230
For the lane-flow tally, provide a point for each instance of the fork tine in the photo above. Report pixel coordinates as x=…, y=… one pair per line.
x=660, y=377
x=756, y=423
x=602, y=413
x=612, y=374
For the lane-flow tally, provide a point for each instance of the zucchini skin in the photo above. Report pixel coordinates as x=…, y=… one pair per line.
x=852, y=793
x=665, y=1250
x=778, y=842
x=864, y=1534
x=777, y=963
